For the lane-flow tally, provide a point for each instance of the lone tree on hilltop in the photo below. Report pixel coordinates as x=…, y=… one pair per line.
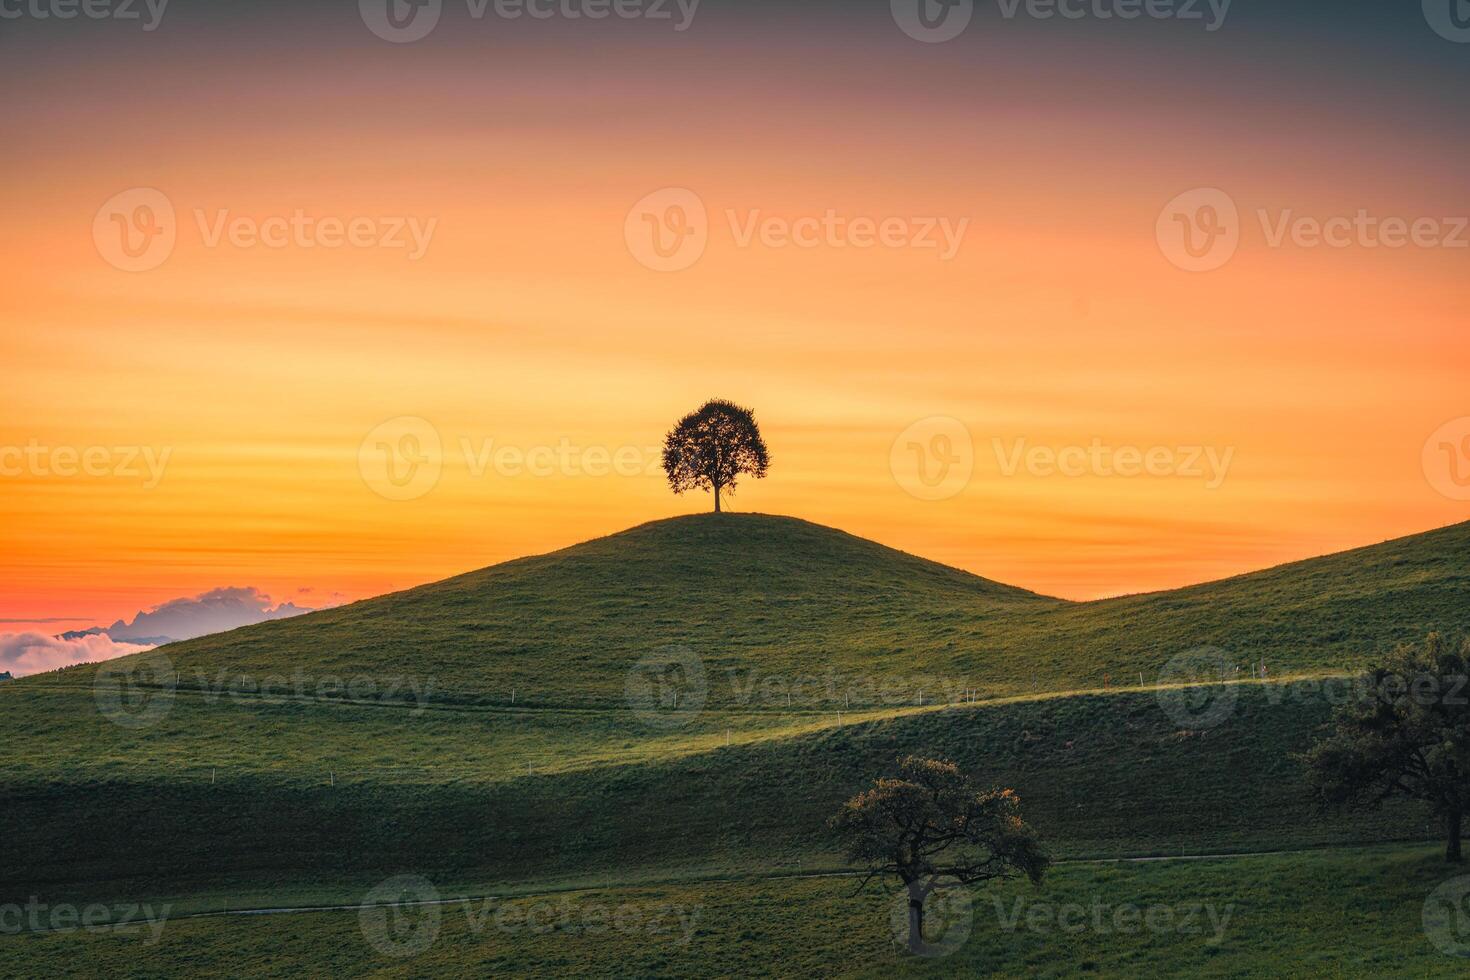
x=932, y=823
x=709, y=448
x=1405, y=732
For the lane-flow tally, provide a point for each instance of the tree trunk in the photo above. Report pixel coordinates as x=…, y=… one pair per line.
x=717, y=498
x=916, y=925
x=1452, y=845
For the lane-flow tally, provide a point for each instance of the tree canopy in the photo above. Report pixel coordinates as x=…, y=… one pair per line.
x=931, y=823
x=1405, y=732
x=713, y=446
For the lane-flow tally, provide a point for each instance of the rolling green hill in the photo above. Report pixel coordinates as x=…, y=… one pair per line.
x=251, y=789
x=387, y=738
x=758, y=597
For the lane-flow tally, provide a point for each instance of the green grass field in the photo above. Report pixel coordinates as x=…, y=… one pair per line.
x=496, y=734
x=1341, y=913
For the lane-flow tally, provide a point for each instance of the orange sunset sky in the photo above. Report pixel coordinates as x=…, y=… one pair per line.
x=529, y=320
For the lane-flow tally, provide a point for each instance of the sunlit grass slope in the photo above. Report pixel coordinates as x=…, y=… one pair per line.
x=255, y=791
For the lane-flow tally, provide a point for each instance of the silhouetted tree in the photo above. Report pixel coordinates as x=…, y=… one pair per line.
x=709, y=448
x=932, y=823
x=1405, y=732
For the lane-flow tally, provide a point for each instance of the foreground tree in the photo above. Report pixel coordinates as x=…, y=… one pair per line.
x=713, y=446
x=931, y=823
x=1405, y=732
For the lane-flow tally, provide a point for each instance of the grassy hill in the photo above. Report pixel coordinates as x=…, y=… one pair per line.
x=757, y=597
x=825, y=657
x=262, y=790
x=563, y=629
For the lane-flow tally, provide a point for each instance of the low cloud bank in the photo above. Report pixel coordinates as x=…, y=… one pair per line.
x=178, y=619
x=32, y=653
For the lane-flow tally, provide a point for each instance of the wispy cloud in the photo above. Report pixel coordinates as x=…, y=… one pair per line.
x=226, y=608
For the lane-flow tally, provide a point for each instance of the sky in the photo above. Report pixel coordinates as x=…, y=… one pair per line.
x=301, y=306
